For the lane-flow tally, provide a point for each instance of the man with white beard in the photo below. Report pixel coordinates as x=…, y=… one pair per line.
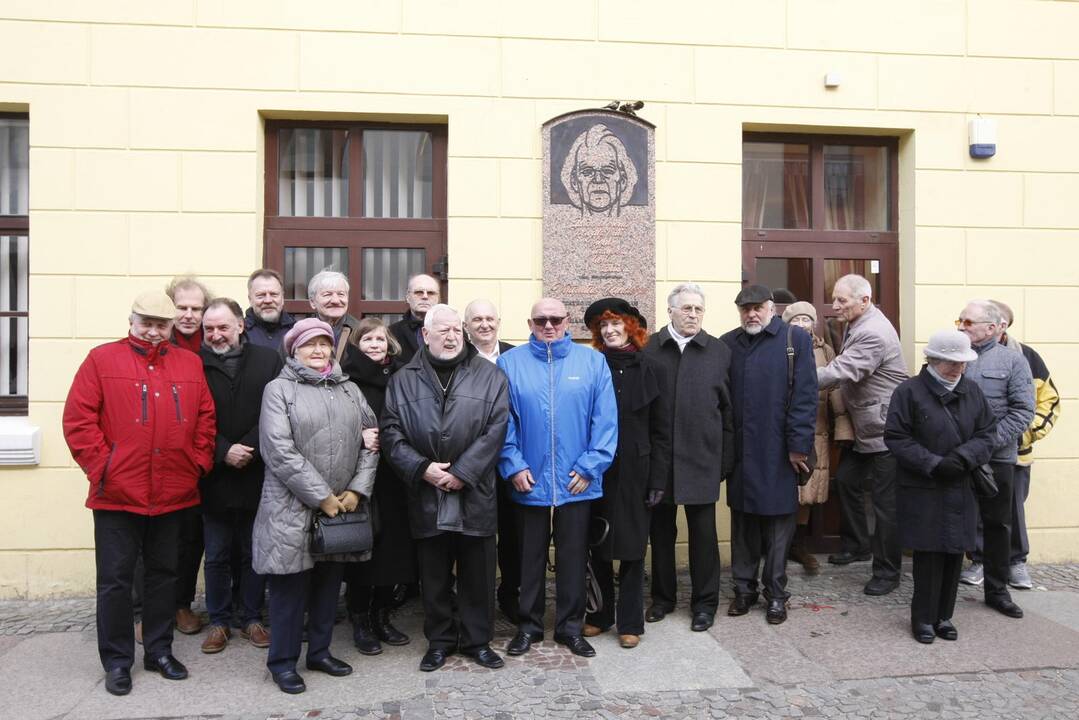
x=774, y=395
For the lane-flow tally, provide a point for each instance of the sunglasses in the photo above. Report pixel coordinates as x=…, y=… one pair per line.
x=966, y=322
x=553, y=320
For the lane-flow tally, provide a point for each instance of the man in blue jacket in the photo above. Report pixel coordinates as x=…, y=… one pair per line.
x=775, y=411
x=562, y=436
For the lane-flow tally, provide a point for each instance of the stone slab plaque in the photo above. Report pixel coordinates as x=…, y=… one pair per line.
x=599, y=212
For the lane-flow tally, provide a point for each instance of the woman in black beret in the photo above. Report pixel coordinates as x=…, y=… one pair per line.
x=619, y=331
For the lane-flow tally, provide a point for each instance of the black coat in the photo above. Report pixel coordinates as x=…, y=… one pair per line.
x=420, y=425
x=393, y=558
x=238, y=402
x=766, y=430
x=642, y=461
x=406, y=330
x=937, y=514
x=699, y=408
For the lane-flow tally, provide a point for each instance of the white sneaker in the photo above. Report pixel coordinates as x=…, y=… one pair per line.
x=973, y=575
x=1019, y=577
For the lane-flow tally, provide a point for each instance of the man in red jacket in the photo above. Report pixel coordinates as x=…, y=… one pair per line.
x=139, y=421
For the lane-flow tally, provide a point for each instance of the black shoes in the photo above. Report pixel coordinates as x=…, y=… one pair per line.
x=945, y=630
x=385, y=630
x=777, y=612
x=701, y=621
x=118, y=681
x=331, y=666
x=1005, y=606
x=846, y=558
x=923, y=633
x=435, y=658
x=485, y=657
x=576, y=644
x=741, y=604
x=522, y=642
x=169, y=667
x=656, y=613
x=363, y=635
x=289, y=682
x=880, y=586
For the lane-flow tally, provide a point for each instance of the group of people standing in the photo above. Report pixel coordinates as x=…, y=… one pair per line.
x=470, y=454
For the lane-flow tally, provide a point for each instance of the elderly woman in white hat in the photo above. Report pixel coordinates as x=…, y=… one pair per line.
x=940, y=427
x=833, y=423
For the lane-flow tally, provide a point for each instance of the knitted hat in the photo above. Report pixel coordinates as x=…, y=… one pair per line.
x=800, y=308
x=304, y=331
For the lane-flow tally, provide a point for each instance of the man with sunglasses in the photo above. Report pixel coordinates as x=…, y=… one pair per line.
x=562, y=436
x=421, y=294
x=1005, y=379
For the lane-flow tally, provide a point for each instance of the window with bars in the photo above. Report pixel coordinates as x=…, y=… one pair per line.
x=14, y=263
x=367, y=200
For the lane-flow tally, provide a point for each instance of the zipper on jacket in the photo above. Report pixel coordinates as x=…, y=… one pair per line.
x=144, y=419
x=105, y=472
x=176, y=401
x=554, y=457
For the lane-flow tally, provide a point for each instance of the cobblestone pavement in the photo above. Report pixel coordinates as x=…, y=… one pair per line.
x=551, y=683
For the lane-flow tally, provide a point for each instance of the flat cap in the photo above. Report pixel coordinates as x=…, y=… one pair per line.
x=616, y=305
x=753, y=295
x=154, y=304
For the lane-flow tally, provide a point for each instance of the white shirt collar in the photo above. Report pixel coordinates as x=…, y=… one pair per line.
x=680, y=339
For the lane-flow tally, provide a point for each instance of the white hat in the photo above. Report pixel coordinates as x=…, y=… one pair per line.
x=950, y=345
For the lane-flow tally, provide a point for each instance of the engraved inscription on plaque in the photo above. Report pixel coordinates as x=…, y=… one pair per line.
x=599, y=219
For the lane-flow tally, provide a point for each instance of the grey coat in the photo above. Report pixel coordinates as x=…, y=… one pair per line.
x=1005, y=379
x=309, y=437
x=868, y=370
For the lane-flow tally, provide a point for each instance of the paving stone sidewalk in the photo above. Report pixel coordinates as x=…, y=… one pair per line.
x=841, y=655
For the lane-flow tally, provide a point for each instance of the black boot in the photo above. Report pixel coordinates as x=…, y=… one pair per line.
x=385, y=630
x=364, y=635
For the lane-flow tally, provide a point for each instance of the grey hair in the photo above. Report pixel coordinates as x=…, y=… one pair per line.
x=429, y=318
x=687, y=287
x=989, y=309
x=323, y=278
x=857, y=285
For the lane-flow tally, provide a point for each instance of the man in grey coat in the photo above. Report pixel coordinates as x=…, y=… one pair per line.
x=1005, y=379
x=443, y=426
x=868, y=369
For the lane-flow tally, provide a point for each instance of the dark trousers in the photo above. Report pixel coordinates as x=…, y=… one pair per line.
x=313, y=591
x=853, y=469
x=703, y=556
x=936, y=581
x=474, y=560
x=509, y=549
x=1020, y=543
x=996, y=523
x=224, y=532
x=570, y=523
x=190, y=556
x=627, y=612
x=119, y=537
x=754, y=537
x=363, y=599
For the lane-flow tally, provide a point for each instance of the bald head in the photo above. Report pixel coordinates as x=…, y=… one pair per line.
x=421, y=293
x=548, y=320
x=482, y=323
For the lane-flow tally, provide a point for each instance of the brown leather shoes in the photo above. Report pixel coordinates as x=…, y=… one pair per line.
x=258, y=635
x=216, y=640
x=592, y=630
x=806, y=559
x=629, y=641
x=188, y=622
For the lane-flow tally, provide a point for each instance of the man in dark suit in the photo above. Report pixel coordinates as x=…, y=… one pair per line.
x=696, y=365
x=482, y=324
x=421, y=294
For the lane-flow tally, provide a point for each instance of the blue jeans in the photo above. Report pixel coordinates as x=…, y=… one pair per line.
x=221, y=530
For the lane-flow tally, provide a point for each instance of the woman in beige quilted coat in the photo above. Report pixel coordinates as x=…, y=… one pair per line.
x=832, y=424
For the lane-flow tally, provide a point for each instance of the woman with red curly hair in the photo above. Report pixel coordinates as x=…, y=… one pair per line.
x=619, y=331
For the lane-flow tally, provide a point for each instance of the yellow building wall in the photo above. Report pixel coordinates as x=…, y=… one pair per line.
x=146, y=127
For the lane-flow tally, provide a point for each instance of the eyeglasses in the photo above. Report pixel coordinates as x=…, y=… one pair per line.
x=554, y=320
x=690, y=310
x=967, y=322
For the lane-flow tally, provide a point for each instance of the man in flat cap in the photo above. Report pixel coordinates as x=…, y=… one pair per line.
x=774, y=393
x=139, y=420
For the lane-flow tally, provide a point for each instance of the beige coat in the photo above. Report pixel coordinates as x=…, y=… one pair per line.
x=831, y=415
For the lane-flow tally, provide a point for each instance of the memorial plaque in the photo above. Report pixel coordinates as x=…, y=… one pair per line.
x=599, y=212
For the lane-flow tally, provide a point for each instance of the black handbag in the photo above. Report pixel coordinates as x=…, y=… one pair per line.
x=346, y=532
x=985, y=485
